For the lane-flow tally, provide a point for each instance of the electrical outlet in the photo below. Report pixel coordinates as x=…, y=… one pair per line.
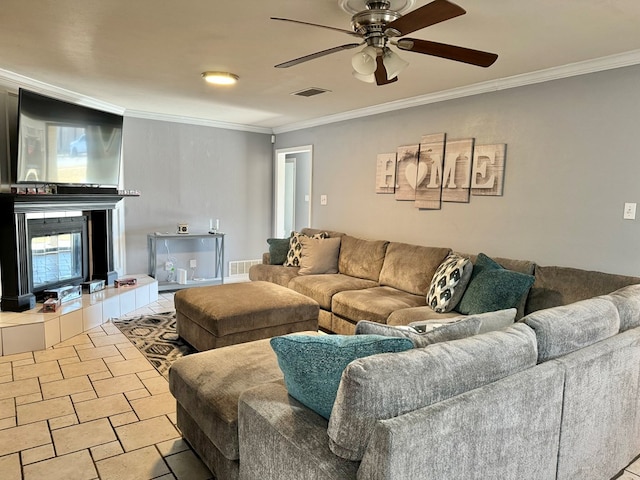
x=323, y=199
x=168, y=266
x=629, y=211
x=193, y=263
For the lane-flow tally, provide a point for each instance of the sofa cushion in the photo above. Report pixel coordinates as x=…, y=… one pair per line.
x=375, y=304
x=627, y=301
x=361, y=258
x=312, y=365
x=489, y=321
x=563, y=285
x=449, y=283
x=278, y=274
x=493, y=288
x=411, y=267
x=295, y=248
x=319, y=255
x=385, y=386
x=562, y=330
x=463, y=327
x=278, y=250
x=322, y=288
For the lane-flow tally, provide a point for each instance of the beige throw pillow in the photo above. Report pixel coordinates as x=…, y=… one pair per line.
x=319, y=255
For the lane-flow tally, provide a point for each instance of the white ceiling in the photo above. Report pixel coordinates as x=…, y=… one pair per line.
x=145, y=56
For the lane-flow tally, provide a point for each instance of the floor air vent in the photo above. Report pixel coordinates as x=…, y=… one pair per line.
x=310, y=92
x=241, y=267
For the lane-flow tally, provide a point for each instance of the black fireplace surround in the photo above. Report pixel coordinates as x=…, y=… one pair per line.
x=15, y=269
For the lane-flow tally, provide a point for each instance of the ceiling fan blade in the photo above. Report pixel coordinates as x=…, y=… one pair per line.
x=450, y=52
x=381, y=73
x=425, y=16
x=342, y=30
x=313, y=56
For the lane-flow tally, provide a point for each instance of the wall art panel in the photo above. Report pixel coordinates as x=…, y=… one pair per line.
x=429, y=180
x=386, y=173
x=407, y=172
x=456, y=174
x=488, y=169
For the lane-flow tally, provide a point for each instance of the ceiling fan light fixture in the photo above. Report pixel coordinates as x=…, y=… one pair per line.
x=371, y=78
x=220, y=78
x=393, y=63
x=364, y=62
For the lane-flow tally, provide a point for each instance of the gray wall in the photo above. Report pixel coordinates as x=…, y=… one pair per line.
x=572, y=161
x=188, y=173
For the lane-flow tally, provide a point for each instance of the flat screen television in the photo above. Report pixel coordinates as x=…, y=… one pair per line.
x=66, y=144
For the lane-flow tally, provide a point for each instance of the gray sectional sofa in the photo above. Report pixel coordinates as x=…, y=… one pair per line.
x=554, y=396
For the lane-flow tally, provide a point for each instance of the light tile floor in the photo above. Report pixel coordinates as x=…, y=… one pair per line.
x=91, y=408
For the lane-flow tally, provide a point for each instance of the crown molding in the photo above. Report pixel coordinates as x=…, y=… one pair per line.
x=196, y=121
x=13, y=81
x=570, y=70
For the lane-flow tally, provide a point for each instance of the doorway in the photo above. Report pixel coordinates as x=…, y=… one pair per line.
x=292, y=189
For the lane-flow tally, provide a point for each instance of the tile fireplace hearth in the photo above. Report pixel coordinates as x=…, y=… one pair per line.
x=34, y=330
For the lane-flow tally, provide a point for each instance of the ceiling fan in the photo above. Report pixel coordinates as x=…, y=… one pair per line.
x=379, y=25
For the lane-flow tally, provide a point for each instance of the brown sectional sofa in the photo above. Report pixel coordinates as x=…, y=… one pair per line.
x=387, y=282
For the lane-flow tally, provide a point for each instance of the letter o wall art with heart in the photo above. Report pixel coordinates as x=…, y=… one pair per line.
x=440, y=170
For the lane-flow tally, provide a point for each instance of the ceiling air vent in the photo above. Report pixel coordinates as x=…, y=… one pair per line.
x=310, y=92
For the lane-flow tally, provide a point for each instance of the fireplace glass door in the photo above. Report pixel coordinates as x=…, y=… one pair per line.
x=56, y=258
x=58, y=252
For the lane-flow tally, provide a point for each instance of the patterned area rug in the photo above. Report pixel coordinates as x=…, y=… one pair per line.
x=155, y=336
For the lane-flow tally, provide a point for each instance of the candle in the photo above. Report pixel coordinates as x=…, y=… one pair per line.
x=210, y=224
x=217, y=224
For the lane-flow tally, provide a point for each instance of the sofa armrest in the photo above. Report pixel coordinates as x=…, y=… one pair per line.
x=489, y=432
x=281, y=439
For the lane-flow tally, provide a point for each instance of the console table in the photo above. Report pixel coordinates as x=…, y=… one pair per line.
x=201, y=255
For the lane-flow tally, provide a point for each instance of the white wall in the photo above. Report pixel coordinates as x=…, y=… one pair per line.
x=572, y=162
x=189, y=173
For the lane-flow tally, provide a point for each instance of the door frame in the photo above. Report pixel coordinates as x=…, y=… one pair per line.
x=278, y=185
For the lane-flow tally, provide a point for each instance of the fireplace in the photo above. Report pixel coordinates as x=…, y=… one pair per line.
x=53, y=240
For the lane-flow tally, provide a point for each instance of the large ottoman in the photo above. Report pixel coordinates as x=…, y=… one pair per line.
x=221, y=315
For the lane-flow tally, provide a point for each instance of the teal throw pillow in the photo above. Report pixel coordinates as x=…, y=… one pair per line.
x=493, y=288
x=312, y=364
x=278, y=249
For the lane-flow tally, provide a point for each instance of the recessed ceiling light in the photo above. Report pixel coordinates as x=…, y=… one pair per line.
x=220, y=78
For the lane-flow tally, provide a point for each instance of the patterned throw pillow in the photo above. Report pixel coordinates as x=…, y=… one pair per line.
x=449, y=282
x=295, y=248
